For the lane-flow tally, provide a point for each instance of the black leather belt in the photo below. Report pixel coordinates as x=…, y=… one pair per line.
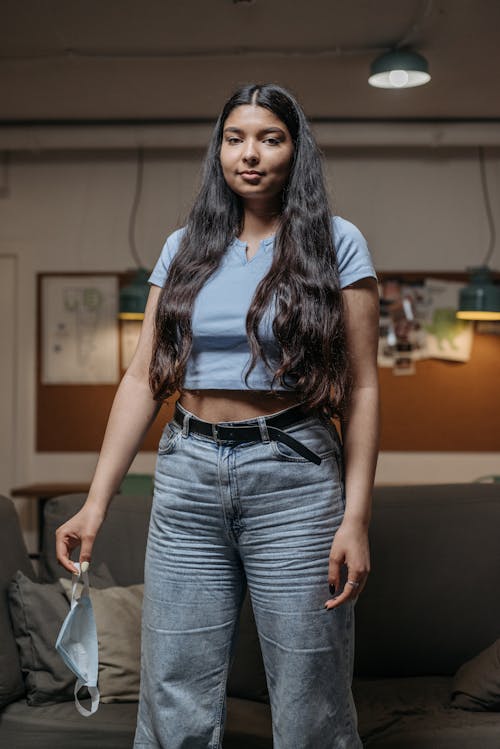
x=251, y=432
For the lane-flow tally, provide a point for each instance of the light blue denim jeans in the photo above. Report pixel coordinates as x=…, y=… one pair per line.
x=225, y=516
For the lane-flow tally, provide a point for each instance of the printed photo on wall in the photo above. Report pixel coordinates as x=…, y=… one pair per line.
x=418, y=321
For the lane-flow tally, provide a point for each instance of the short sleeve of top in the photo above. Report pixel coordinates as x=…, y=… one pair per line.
x=159, y=274
x=353, y=256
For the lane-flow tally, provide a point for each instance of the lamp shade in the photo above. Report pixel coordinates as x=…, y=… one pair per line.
x=400, y=68
x=133, y=297
x=480, y=299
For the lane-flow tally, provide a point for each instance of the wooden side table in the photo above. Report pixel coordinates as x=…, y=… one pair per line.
x=40, y=493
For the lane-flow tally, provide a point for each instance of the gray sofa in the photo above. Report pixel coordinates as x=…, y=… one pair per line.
x=430, y=606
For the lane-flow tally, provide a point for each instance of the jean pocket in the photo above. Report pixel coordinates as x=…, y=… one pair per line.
x=168, y=439
x=314, y=436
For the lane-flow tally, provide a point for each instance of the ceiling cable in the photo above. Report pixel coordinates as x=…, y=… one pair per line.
x=425, y=12
x=135, y=206
x=487, y=207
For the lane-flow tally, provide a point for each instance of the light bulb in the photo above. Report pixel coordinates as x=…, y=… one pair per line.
x=399, y=78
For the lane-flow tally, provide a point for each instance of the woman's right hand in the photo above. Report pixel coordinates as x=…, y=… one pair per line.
x=80, y=530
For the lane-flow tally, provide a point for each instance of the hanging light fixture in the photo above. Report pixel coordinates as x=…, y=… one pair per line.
x=480, y=300
x=134, y=295
x=399, y=68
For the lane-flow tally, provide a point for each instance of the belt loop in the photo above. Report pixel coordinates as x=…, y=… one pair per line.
x=263, y=428
x=185, y=425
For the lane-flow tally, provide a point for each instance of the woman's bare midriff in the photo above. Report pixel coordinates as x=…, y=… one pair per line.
x=234, y=405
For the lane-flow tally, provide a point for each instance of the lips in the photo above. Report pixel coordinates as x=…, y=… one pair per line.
x=252, y=177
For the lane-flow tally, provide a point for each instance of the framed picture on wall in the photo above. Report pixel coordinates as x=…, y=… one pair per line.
x=79, y=329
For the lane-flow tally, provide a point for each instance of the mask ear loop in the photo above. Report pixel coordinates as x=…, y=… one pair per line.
x=84, y=576
x=74, y=581
x=94, y=696
x=93, y=691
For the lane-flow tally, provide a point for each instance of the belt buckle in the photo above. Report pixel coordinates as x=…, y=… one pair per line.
x=214, y=433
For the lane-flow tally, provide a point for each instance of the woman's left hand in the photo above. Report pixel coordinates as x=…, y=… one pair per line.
x=350, y=547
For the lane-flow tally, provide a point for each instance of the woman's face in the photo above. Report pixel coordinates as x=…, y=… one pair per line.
x=256, y=153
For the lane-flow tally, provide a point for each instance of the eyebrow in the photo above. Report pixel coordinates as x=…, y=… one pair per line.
x=266, y=130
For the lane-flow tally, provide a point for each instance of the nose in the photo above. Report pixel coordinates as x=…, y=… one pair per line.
x=250, y=153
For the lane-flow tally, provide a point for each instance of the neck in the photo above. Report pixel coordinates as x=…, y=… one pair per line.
x=260, y=220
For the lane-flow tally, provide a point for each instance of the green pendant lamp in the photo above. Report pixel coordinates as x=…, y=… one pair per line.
x=399, y=68
x=134, y=295
x=480, y=299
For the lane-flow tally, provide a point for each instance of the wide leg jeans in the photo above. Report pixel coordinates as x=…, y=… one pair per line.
x=225, y=516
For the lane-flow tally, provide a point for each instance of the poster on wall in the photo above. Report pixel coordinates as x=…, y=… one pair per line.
x=447, y=336
x=79, y=330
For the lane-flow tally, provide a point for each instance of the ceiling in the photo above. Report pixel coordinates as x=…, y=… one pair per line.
x=144, y=60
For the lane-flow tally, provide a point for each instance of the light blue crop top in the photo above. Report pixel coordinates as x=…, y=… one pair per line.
x=220, y=352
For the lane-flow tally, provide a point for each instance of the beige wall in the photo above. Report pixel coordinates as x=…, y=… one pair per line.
x=420, y=208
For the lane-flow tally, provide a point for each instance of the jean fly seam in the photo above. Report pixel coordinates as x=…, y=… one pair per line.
x=235, y=496
x=228, y=521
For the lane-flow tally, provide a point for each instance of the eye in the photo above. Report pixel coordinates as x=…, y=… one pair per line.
x=272, y=141
x=232, y=140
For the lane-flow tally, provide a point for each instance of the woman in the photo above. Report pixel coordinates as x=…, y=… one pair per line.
x=263, y=314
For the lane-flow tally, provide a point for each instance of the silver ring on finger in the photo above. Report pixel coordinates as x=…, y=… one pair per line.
x=353, y=583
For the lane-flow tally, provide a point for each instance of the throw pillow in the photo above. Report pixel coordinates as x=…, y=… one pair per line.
x=117, y=613
x=476, y=685
x=37, y=611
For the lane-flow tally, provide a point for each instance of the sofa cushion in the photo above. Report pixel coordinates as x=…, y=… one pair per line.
x=120, y=543
x=38, y=611
x=247, y=679
x=476, y=685
x=60, y=726
x=416, y=713
x=13, y=556
x=248, y=725
x=428, y=603
x=117, y=613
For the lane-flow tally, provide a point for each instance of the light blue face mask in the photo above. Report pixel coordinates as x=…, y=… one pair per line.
x=77, y=642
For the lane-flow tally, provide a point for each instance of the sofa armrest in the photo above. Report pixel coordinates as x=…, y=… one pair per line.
x=14, y=557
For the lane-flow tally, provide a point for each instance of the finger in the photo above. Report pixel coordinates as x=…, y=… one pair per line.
x=86, y=551
x=349, y=592
x=64, y=547
x=334, y=574
x=63, y=559
x=359, y=578
x=355, y=585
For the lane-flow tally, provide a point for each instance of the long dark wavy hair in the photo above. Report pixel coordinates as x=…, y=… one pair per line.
x=303, y=281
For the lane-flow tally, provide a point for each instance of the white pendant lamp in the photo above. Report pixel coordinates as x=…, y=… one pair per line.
x=399, y=68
